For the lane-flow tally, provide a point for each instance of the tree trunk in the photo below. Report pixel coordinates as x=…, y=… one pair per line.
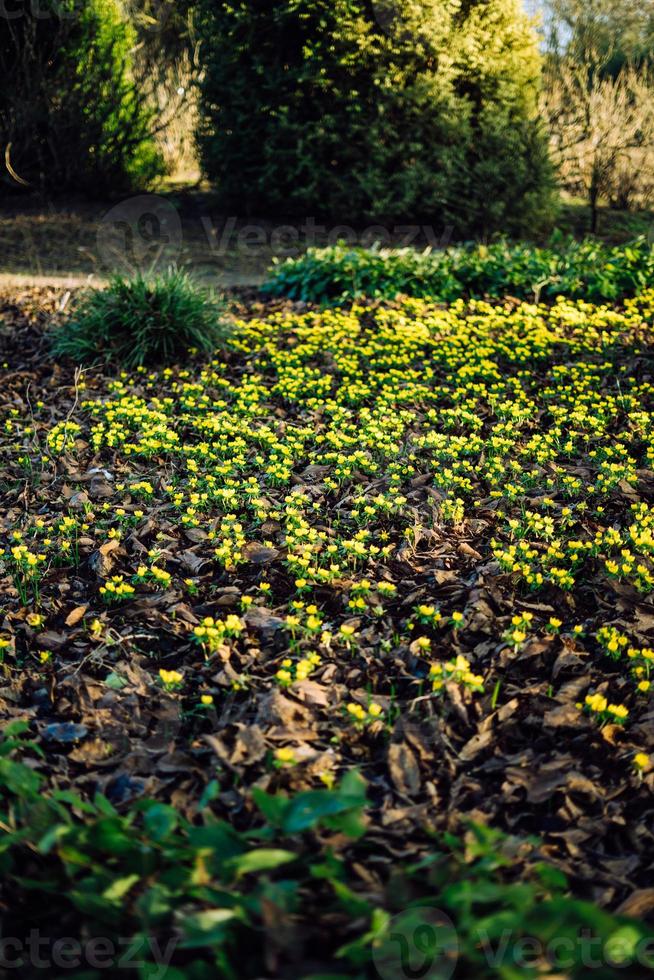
x=594, y=210
x=594, y=199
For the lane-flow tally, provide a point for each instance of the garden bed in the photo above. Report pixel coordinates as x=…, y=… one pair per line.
x=405, y=541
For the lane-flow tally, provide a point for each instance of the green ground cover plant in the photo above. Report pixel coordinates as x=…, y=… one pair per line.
x=587, y=270
x=189, y=897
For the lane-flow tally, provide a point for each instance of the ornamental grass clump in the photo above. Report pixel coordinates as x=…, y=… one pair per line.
x=144, y=321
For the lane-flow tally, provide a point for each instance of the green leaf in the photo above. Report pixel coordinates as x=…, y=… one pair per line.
x=15, y=728
x=308, y=809
x=104, y=806
x=210, y=793
x=115, y=681
x=160, y=821
x=262, y=859
x=622, y=946
x=18, y=778
x=52, y=838
x=273, y=806
x=206, y=928
x=120, y=887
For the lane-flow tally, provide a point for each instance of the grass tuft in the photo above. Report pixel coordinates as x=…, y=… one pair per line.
x=143, y=321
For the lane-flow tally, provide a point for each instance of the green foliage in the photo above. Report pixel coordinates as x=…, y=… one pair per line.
x=150, y=879
x=339, y=810
x=312, y=107
x=144, y=320
x=621, y=31
x=585, y=270
x=74, y=114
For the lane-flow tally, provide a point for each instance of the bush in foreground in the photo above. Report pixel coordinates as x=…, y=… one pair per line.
x=143, y=321
x=195, y=899
x=577, y=270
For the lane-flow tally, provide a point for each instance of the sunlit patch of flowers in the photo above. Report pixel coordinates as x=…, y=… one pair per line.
x=292, y=672
x=428, y=615
x=516, y=635
x=363, y=717
x=116, y=590
x=142, y=488
x=614, y=643
x=354, y=451
x=599, y=708
x=284, y=757
x=172, y=680
x=232, y=539
x=153, y=575
x=62, y=436
x=452, y=511
x=27, y=570
x=641, y=662
x=212, y=634
x=456, y=671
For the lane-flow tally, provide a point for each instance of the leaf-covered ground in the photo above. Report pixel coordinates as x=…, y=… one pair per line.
x=405, y=539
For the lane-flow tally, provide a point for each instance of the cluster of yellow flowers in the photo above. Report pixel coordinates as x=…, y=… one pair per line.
x=517, y=634
x=116, y=589
x=599, y=707
x=456, y=671
x=362, y=717
x=212, y=633
x=613, y=642
x=172, y=680
x=25, y=559
x=158, y=577
x=640, y=659
x=62, y=436
x=291, y=672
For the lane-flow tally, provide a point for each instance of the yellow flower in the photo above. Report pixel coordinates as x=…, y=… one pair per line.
x=618, y=710
x=596, y=702
x=641, y=760
x=171, y=679
x=206, y=699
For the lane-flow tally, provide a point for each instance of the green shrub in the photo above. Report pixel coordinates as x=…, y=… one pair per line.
x=309, y=107
x=148, y=879
x=143, y=321
x=74, y=115
x=579, y=270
